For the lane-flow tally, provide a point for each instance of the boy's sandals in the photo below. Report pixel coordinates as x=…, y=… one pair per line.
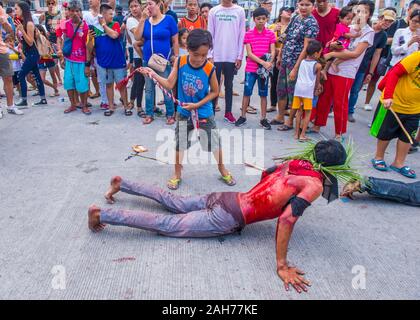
x=251, y=110
x=55, y=94
x=170, y=121
x=405, y=171
x=94, y=96
x=284, y=128
x=128, y=112
x=276, y=122
x=70, y=109
x=379, y=165
x=174, y=183
x=141, y=113
x=148, y=120
x=108, y=113
x=228, y=179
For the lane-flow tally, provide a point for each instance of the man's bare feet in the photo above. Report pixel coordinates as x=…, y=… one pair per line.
x=113, y=189
x=94, y=222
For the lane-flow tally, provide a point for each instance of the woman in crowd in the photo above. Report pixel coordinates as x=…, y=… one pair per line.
x=406, y=41
x=160, y=35
x=337, y=86
x=26, y=34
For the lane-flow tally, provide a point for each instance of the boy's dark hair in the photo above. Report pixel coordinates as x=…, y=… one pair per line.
x=345, y=11
x=312, y=1
x=198, y=38
x=353, y=3
x=412, y=3
x=105, y=7
x=313, y=47
x=260, y=12
x=206, y=4
x=9, y=10
x=414, y=14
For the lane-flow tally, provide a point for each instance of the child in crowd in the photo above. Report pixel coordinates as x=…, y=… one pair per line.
x=342, y=36
x=17, y=63
x=260, y=45
x=197, y=87
x=47, y=62
x=182, y=37
x=307, y=86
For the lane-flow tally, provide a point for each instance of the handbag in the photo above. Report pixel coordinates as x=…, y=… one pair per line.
x=156, y=62
x=68, y=43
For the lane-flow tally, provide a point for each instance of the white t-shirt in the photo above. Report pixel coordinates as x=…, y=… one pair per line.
x=306, y=79
x=348, y=68
x=400, y=48
x=132, y=23
x=92, y=20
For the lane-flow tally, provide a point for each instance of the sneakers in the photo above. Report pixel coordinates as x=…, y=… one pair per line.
x=41, y=102
x=240, y=122
x=229, y=117
x=264, y=123
x=351, y=118
x=22, y=104
x=368, y=107
x=14, y=110
x=104, y=106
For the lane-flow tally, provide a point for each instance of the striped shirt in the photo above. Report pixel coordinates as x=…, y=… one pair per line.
x=260, y=43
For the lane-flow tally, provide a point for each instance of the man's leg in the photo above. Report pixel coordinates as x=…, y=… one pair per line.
x=402, y=151
x=407, y=193
x=228, y=71
x=170, y=201
x=110, y=95
x=195, y=224
x=381, y=147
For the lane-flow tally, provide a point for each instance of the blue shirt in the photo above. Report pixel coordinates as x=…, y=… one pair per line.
x=194, y=86
x=162, y=37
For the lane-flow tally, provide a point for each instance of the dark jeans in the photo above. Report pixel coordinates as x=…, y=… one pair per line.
x=228, y=69
x=355, y=89
x=273, y=88
x=31, y=65
x=138, y=84
x=407, y=193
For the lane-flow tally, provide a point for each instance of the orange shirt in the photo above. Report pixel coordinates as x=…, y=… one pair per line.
x=199, y=23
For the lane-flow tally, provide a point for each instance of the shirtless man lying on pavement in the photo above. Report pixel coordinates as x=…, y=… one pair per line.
x=284, y=192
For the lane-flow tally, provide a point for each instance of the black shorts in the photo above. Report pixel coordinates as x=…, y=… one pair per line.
x=209, y=134
x=16, y=78
x=385, y=126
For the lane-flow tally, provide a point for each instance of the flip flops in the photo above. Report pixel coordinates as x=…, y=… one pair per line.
x=405, y=171
x=173, y=184
x=228, y=179
x=284, y=128
x=379, y=165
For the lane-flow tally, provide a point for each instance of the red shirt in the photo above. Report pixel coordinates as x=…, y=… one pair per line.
x=326, y=25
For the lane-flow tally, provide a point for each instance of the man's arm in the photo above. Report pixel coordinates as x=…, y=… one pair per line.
x=310, y=190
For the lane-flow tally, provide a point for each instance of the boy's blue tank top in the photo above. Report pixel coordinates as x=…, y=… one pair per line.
x=194, y=86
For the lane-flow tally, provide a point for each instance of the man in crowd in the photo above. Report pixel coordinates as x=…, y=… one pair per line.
x=228, y=48
x=327, y=17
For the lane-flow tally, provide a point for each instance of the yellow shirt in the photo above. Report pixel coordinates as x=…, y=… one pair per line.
x=406, y=99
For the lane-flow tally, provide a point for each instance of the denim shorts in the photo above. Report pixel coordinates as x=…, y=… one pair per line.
x=250, y=79
x=110, y=76
x=46, y=65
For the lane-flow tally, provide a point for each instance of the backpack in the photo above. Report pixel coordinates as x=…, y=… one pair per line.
x=42, y=45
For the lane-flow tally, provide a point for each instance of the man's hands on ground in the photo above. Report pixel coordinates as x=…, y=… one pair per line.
x=294, y=277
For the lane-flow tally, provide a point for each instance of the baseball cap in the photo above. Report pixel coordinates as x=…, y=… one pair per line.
x=389, y=15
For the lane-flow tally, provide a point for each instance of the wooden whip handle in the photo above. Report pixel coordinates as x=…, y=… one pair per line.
x=401, y=125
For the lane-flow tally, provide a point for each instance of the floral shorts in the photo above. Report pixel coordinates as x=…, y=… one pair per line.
x=285, y=87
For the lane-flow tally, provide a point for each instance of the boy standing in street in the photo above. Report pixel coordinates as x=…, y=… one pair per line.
x=260, y=48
